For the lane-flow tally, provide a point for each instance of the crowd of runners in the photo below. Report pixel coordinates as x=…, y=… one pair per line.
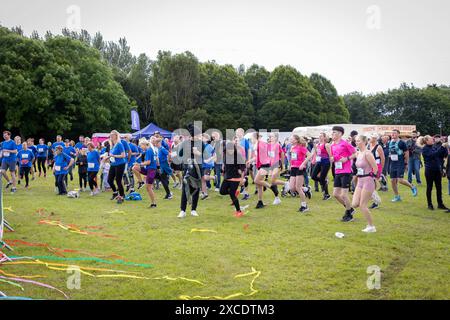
x=197, y=163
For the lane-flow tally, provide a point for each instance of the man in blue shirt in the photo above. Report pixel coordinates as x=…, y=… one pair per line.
x=71, y=152
x=398, y=155
x=25, y=157
x=60, y=168
x=58, y=142
x=80, y=144
x=208, y=165
x=9, y=158
x=41, y=156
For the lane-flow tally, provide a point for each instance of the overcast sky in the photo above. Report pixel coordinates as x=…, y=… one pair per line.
x=359, y=45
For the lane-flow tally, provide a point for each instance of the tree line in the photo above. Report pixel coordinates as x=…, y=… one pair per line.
x=77, y=83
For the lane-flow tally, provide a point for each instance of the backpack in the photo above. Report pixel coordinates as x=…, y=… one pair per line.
x=134, y=196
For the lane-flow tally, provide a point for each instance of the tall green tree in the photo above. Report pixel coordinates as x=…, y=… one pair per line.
x=174, y=86
x=256, y=78
x=334, y=109
x=225, y=97
x=291, y=101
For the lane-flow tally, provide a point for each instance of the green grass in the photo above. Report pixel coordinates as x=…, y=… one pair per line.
x=298, y=255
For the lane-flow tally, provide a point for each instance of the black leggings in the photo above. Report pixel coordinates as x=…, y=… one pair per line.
x=25, y=171
x=230, y=187
x=41, y=165
x=116, y=173
x=323, y=169
x=435, y=177
x=82, y=177
x=92, y=178
x=194, y=193
x=164, y=178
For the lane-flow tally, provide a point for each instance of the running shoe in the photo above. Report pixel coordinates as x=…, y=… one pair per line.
x=140, y=185
x=114, y=195
x=152, y=206
x=246, y=196
x=308, y=192
x=260, y=205
x=414, y=191
x=216, y=190
x=194, y=213
x=277, y=201
x=169, y=196
x=430, y=207
x=182, y=214
x=369, y=229
x=303, y=209
x=374, y=206
x=238, y=214
x=396, y=199
x=13, y=190
x=326, y=197
x=203, y=196
x=9, y=184
x=442, y=207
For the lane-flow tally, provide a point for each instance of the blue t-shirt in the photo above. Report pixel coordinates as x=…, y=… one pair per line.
x=139, y=160
x=117, y=151
x=25, y=158
x=163, y=154
x=126, y=146
x=42, y=151
x=152, y=156
x=397, y=151
x=33, y=149
x=62, y=160
x=55, y=144
x=93, y=159
x=6, y=155
x=209, y=152
x=19, y=147
x=70, y=151
x=80, y=145
x=134, y=149
x=246, y=145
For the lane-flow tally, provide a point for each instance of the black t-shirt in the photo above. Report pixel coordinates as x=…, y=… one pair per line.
x=233, y=165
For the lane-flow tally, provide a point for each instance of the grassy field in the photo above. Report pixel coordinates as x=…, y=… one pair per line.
x=298, y=256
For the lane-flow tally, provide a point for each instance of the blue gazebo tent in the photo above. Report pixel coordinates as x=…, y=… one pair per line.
x=150, y=130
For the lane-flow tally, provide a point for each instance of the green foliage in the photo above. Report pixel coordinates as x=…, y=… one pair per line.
x=174, y=86
x=428, y=108
x=225, y=97
x=59, y=85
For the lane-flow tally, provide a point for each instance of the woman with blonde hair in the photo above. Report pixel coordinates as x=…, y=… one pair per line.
x=299, y=157
x=367, y=169
x=433, y=168
x=118, y=160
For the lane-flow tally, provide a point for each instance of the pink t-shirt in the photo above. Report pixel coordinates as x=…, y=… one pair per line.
x=274, y=152
x=343, y=149
x=298, y=155
x=262, y=156
x=322, y=151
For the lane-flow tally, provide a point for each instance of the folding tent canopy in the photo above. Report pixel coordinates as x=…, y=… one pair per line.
x=150, y=130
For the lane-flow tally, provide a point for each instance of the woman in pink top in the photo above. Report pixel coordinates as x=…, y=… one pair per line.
x=367, y=171
x=262, y=160
x=299, y=156
x=276, y=155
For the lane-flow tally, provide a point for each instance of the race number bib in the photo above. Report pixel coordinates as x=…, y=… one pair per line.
x=6, y=154
x=91, y=165
x=360, y=171
x=394, y=157
x=338, y=165
x=271, y=154
x=40, y=150
x=318, y=158
x=294, y=155
x=24, y=156
x=57, y=168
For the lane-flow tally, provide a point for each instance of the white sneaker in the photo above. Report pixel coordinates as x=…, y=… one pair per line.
x=287, y=187
x=216, y=189
x=277, y=201
x=56, y=190
x=92, y=193
x=369, y=229
x=194, y=213
x=182, y=214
